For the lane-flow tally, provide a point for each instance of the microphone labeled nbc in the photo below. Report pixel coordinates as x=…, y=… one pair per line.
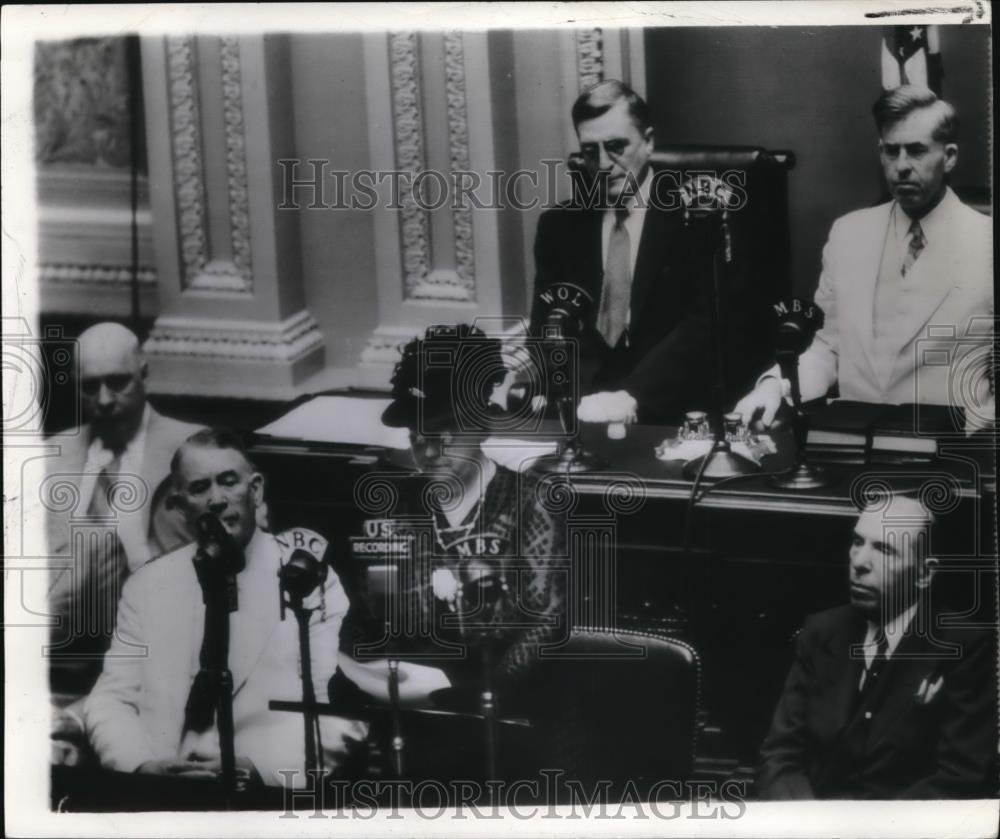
x=303, y=567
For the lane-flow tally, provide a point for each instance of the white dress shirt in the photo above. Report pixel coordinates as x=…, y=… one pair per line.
x=894, y=631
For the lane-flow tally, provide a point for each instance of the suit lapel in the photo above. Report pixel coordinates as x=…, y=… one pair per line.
x=932, y=280
x=843, y=670
x=913, y=659
x=860, y=288
x=652, y=243
x=157, y=453
x=588, y=271
x=73, y=459
x=254, y=624
x=67, y=467
x=176, y=660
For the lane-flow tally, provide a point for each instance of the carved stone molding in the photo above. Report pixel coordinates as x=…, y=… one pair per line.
x=458, y=148
x=116, y=276
x=384, y=345
x=285, y=341
x=199, y=270
x=420, y=280
x=414, y=226
x=589, y=57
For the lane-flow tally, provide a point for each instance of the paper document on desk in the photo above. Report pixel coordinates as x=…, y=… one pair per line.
x=416, y=681
x=339, y=419
x=688, y=450
x=516, y=455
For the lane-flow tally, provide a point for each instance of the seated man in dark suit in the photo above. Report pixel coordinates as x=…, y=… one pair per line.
x=882, y=701
x=645, y=350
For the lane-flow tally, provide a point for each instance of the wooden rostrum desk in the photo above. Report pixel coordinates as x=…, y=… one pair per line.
x=757, y=559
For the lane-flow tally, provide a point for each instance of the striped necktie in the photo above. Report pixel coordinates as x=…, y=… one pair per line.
x=616, y=296
x=916, y=245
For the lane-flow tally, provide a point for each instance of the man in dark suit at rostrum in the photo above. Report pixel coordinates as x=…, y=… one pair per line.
x=646, y=349
x=884, y=699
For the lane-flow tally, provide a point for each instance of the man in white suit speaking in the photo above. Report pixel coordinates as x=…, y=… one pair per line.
x=907, y=286
x=136, y=715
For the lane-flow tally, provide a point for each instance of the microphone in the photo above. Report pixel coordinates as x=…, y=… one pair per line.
x=301, y=571
x=567, y=313
x=565, y=309
x=300, y=576
x=217, y=561
x=797, y=323
x=703, y=194
x=302, y=568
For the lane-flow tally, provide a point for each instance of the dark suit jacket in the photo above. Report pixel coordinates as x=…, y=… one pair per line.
x=667, y=364
x=825, y=742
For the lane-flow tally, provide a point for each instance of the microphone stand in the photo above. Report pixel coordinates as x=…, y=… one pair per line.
x=397, y=724
x=570, y=457
x=721, y=461
x=219, y=594
x=802, y=475
x=302, y=615
x=488, y=708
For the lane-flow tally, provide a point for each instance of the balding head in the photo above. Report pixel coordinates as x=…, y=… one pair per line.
x=112, y=382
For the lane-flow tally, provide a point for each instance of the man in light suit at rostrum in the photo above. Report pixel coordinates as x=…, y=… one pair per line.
x=907, y=286
x=115, y=464
x=136, y=715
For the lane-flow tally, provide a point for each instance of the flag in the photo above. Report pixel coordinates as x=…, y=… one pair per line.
x=911, y=55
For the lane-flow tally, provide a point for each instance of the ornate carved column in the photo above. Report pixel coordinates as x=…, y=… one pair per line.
x=440, y=264
x=233, y=320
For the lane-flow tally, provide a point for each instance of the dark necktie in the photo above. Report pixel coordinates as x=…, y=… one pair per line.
x=916, y=245
x=878, y=662
x=617, y=291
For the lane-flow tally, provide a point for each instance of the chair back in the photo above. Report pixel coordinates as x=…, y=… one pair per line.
x=613, y=705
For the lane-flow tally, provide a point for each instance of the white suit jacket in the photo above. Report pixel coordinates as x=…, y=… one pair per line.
x=940, y=347
x=136, y=711
x=163, y=436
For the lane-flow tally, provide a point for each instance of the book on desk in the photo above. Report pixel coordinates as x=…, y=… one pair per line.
x=864, y=432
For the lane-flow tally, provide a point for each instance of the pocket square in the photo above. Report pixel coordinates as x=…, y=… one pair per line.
x=928, y=690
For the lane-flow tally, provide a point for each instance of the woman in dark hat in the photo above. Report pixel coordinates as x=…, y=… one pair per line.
x=495, y=547
x=485, y=586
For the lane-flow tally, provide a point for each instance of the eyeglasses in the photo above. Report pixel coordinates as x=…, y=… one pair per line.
x=615, y=148
x=115, y=382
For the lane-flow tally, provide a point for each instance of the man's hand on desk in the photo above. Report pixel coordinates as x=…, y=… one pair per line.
x=608, y=406
x=761, y=403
